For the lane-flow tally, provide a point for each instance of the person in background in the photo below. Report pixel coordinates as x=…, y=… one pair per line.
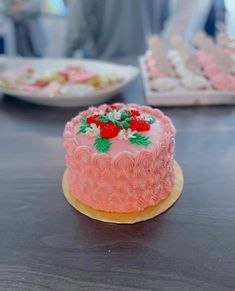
x=187, y=18
x=29, y=34
x=2, y=41
x=113, y=28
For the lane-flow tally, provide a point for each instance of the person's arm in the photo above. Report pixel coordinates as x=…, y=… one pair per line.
x=31, y=6
x=188, y=17
x=77, y=26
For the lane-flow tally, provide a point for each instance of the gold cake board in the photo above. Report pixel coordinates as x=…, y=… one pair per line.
x=132, y=217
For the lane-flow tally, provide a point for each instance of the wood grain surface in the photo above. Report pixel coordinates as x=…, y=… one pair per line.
x=46, y=245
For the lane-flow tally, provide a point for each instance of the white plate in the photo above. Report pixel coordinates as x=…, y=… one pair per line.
x=181, y=96
x=127, y=73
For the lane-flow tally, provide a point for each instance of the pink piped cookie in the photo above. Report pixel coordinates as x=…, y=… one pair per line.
x=152, y=67
x=211, y=71
x=120, y=157
x=81, y=77
x=223, y=81
x=155, y=73
x=204, y=58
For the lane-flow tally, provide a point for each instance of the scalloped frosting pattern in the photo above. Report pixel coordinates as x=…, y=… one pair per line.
x=124, y=182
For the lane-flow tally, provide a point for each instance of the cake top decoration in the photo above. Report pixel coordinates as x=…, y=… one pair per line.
x=123, y=123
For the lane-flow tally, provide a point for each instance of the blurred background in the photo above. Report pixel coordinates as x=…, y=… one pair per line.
x=104, y=29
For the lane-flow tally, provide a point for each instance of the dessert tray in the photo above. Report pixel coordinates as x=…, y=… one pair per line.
x=185, y=76
x=63, y=82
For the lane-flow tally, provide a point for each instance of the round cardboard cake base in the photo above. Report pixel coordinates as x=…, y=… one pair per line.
x=132, y=217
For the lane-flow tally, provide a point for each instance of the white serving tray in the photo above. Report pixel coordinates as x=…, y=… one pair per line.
x=127, y=73
x=181, y=96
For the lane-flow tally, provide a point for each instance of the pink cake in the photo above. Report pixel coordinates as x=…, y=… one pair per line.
x=120, y=157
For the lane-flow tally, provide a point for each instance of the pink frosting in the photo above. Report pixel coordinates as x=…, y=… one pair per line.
x=155, y=73
x=211, y=71
x=153, y=70
x=81, y=77
x=204, y=58
x=148, y=55
x=229, y=51
x=224, y=82
x=219, y=79
x=52, y=89
x=128, y=177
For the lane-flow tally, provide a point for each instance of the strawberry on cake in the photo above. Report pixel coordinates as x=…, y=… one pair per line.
x=120, y=159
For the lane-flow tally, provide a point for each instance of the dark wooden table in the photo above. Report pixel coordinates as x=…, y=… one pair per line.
x=46, y=245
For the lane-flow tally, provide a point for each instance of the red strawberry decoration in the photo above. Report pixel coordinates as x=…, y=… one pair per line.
x=139, y=124
x=109, y=130
x=93, y=119
x=111, y=122
x=133, y=112
x=113, y=107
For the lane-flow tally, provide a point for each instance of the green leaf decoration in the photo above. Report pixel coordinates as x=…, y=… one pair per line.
x=83, y=120
x=83, y=128
x=102, y=144
x=140, y=139
x=104, y=119
x=151, y=119
x=124, y=114
x=118, y=122
x=126, y=122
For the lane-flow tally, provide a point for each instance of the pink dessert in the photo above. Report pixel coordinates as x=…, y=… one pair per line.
x=211, y=71
x=204, y=58
x=155, y=73
x=223, y=81
x=220, y=80
x=82, y=77
x=120, y=157
x=152, y=67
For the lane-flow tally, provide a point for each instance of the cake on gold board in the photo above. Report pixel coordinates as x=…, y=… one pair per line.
x=120, y=163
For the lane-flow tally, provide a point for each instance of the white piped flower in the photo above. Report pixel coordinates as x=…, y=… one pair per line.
x=100, y=112
x=116, y=115
x=126, y=134
x=94, y=130
x=146, y=117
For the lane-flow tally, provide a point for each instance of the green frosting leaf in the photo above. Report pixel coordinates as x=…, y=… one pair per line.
x=140, y=139
x=83, y=128
x=83, y=120
x=124, y=114
x=126, y=123
x=102, y=144
x=104, y=119
x=151, y=119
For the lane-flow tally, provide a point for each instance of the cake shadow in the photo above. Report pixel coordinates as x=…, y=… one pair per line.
x=118, y=237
